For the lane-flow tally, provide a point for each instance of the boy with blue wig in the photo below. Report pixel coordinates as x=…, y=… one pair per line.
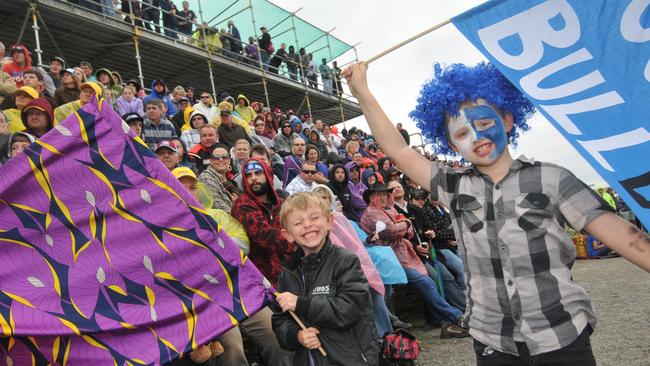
x=523, y=307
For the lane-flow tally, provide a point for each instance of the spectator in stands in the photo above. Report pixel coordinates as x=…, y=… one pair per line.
x=258, y=210
x=270, y=125
x=169, y=18
x=185, y=19
x=266, y=46
x=325, y=285
x=312, y=153
x=191, y=95
x=326, y=76
x=339, y=184
x=57, y=65
x=282, y=141
x=206, y=106
x=235, y=38
x=230, y=132
x=7, y=86
x=88, y=70
x=22, y=97
x=314, y=139
x=139, y=92
x=262, y=153
x=312, y=75
x=251, y=52
x=303, y=63
x=421, y=240
x=356, y=188
x=336, y=78
x=17, y=142
x=258, y=132
x=128, y=103
x=404, y=133
x=183, y=157
x=167, y=154
x=69, y=89
x=79, y=73
x=34, y=78
x=192, y=136
x=244, y=109
x=159, y=91
x=214, y=178
x=21, y=61
x=37, y=117
x=293, y=162
x=395, y=231
x=293, y=61
x=135, y=122
x=239, y=154
x=384, y=164
x=201, y=152
x=177, y=94
x=304, y=182
x=156, y=126
x=332, y=143
x=151, y=12
x=278, y=58
x=4, y=59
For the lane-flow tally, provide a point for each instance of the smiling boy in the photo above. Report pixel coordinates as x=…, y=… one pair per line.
x=324, y=285
x=523, y=306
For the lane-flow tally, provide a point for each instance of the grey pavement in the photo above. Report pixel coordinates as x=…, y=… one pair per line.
x=620, y=292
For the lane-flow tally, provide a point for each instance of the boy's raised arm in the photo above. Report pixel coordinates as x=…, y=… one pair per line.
x=622, y=237
x=416, y=166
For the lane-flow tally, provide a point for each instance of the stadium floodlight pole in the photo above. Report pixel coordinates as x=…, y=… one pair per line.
x=259, y=55
x=207, y=48
x=303, y=74
x=136, y=44
x=36, y=36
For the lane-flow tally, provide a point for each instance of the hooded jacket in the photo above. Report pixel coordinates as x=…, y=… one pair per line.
x=333, y=296
x=282, y=142
x=262, y=223
x=246, y=111
x=43, y=105
x=191, y=137
x=356, y=190
x=15, y=71
x=163, y=96
x=342, y=191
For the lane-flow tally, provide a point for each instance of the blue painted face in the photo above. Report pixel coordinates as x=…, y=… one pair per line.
x=474, y=123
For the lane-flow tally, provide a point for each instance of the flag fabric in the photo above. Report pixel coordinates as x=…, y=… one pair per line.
x=106, y=259
x=586, y=66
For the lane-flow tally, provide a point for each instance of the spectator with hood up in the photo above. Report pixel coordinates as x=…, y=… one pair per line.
x=339, y=184
x=37, y=117
x=282, y=141
x=159, y=91
x=21, y=61
x=244, y=109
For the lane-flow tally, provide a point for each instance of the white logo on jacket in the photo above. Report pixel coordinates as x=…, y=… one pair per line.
x=321, y=290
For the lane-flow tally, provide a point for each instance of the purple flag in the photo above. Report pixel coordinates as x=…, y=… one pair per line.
x=105, y=258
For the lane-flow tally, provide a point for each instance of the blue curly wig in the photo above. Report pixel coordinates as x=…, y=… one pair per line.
x=457, y=83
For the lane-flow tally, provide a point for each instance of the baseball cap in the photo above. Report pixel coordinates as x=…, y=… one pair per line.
x=165, y=144
x=185, y=99
x=17, y=48
x=69, y=71
x=130, y=118
x=27, y=90
x=59, y=59
x=183, y=171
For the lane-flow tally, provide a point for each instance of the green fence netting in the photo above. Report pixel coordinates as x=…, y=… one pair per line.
x=279, y=21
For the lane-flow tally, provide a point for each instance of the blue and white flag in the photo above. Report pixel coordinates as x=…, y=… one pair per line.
x=586, y=66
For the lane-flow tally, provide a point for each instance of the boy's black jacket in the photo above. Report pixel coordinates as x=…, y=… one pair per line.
x=333, y=296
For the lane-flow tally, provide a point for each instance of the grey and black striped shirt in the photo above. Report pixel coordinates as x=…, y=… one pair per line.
x=517, y=256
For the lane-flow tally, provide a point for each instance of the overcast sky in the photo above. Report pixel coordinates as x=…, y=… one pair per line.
x=396, y=79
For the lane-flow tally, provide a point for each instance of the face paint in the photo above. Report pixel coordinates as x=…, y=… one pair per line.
x=474, y=123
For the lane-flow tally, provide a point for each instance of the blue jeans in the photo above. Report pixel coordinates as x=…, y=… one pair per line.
x=382, y=320
x=455, y=265
x=265, y=59
x=453, y=294
x=446, y=313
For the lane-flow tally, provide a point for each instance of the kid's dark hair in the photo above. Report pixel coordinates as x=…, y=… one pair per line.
x=457, y=83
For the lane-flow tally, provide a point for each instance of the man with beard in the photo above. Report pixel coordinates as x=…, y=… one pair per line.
x=258, y=209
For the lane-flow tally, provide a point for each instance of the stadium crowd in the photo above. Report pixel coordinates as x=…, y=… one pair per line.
x=243, y=159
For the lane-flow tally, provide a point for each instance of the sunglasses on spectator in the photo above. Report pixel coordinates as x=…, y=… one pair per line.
x=286, y=126
x=309, y=172
x=354, y=139
x=205, y=96
x=259, y=125
x=220, y=157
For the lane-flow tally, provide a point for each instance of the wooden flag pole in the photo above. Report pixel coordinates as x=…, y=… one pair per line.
x=425, y=32
x=303, y=327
